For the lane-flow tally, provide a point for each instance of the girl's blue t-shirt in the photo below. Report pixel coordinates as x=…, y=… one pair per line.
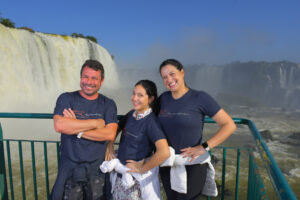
x=182, y=119
x=138, y=137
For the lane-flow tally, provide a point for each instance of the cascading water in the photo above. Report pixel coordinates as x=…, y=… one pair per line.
x=36, y=67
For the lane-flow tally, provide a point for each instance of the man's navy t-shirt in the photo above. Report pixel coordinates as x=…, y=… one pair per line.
x=182, y=119
x=83, y=150
x=138, y=137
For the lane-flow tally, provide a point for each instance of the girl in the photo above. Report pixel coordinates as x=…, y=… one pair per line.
x=141, y=134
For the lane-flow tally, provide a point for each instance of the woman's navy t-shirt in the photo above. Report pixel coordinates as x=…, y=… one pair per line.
x=182, y=119
x=138, y=137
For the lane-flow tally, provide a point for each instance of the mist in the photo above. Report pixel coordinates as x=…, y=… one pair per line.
x=211, y=47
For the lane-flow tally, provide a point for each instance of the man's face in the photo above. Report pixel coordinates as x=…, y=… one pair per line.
x=90, y=82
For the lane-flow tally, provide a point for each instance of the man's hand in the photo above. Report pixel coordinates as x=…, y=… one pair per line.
x=69, y=113
x=100, y=123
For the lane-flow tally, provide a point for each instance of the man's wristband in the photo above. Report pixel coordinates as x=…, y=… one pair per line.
x=79, y=135
x=205, y=146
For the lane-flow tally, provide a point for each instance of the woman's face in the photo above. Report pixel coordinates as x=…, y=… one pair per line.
x=173, y=78
x=140, y=100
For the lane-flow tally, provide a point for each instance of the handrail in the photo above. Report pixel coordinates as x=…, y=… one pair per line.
x=279, y=182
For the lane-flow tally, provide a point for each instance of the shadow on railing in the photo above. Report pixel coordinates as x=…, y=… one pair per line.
x=255, y=186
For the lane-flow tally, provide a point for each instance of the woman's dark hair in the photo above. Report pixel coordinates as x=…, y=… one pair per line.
x=173, y=62
x=151, y=91
x=95, y=65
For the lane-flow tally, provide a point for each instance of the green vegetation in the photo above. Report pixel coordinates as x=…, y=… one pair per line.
x=8, y=23
x=28, y=29
x=76, y=35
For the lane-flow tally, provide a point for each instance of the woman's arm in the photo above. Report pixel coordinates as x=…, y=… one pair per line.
x=161, y=154
x=227, y=127
x=110, y=151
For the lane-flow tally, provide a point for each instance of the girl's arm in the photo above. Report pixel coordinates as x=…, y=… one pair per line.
x=161, y=154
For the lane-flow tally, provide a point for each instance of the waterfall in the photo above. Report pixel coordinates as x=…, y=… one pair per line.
x=36, y=67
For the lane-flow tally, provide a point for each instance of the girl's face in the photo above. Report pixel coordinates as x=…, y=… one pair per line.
x=173, y=78
x=140, y=100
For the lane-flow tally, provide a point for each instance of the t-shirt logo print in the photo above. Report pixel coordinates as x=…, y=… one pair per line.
x=83, y=115
x=126, y=133
x=164, y=113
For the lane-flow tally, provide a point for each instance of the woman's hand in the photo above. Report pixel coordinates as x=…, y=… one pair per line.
x=193, y=152
x=135, y=166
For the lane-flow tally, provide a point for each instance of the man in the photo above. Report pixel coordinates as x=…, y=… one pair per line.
x=86, y=120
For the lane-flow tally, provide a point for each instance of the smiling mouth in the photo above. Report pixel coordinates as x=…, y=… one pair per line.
x=89, y=86
x=172, y=84
x=135, y=104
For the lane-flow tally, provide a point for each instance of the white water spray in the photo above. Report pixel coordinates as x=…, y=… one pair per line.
x=36, y=67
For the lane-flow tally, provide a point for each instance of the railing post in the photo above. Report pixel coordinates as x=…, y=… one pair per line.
x=223, y=174
x=3, y=181
x=237, y=174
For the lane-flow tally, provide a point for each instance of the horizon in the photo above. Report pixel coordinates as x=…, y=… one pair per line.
x=142, y=34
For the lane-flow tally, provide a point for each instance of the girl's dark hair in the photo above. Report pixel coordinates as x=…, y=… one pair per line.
x=151, y=91
x=173, y=62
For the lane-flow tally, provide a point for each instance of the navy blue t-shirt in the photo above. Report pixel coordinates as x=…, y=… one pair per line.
x=182, y=119
x=83, y=150
x=138, y=137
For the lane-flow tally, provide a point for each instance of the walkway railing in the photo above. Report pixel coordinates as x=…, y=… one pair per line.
x=255, y=189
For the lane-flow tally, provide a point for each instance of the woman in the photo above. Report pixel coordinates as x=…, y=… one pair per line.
x=141, y=134
x=182, y=112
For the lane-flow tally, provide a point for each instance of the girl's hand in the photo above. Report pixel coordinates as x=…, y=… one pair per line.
x=193, y=152
x=135, y=166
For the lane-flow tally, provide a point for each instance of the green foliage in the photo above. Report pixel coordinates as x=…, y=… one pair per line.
x=91, y=38
x=7, y=22
x=28, y=29
x=76, y=35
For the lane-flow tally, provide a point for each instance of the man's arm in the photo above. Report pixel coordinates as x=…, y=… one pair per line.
x=68, y=124
x=102, y=134
x=93, y=129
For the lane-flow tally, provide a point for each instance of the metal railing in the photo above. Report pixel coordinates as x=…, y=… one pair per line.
x=256, y=189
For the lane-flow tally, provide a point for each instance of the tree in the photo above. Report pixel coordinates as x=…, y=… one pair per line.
x=7, y=22
x=91, y=38
x=76, y=35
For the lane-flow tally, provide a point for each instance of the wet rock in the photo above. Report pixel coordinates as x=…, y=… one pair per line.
x=295, y=136
x=214, y=159
x=227, y=192
x=267, y=135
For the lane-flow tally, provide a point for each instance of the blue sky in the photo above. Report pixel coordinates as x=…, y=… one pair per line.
x=141, y=33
